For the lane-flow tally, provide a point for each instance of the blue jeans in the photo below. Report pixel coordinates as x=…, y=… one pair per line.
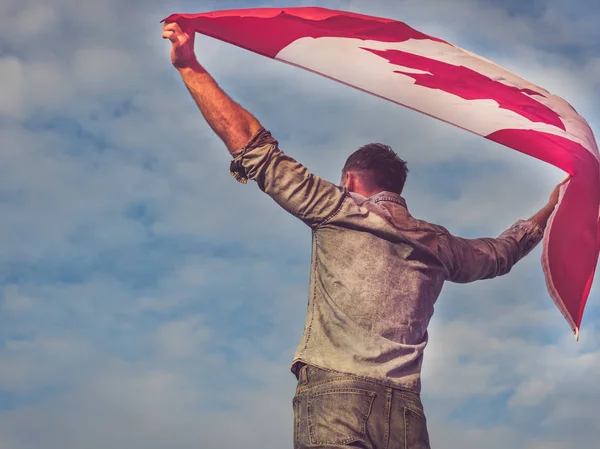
x=335, y=410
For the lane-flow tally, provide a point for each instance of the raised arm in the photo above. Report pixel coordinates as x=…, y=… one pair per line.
x=231, y=122
x=256, y=154
x=486, y=258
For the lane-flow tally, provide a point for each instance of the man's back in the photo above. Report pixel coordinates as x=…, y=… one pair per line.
x=376, y=273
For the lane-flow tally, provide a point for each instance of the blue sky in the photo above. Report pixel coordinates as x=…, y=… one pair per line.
x=149, y=300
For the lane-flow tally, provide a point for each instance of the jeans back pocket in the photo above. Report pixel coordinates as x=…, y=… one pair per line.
x=339, y=416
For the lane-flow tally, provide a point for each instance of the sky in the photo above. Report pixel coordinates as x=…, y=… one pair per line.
x=148, y=300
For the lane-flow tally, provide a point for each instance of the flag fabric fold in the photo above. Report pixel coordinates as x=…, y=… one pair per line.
x=389, y=59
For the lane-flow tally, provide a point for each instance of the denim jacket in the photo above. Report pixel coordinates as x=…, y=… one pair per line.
x=376, y=271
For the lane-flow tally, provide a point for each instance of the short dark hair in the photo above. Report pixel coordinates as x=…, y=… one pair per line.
x=379, y=165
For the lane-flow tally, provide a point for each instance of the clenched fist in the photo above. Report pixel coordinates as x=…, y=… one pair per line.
x=182, y=50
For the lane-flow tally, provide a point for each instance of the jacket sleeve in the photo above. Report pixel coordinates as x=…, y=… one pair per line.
x=303, y=194
x=471, y=260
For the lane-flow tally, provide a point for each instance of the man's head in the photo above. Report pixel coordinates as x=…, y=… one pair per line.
x=374, y=168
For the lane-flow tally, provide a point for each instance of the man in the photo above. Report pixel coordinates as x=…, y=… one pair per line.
x=376, y=273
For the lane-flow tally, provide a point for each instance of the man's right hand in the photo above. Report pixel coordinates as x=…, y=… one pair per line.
x=182, y=50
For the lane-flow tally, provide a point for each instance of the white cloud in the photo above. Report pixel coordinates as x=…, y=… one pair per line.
x=531, y=392
x=14, y=302
x=103, y=69
x=12, y=87
x=182, y=338
x=35, y=20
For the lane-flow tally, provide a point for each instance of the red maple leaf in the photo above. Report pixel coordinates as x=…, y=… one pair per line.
x=471, y=85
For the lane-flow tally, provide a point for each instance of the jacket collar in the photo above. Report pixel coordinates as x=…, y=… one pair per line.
x=389, y=196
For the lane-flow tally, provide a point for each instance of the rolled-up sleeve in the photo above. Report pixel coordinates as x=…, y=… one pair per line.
x=303, y=194
x=475, y=259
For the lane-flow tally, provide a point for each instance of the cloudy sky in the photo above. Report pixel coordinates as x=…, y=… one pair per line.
x=148, y=300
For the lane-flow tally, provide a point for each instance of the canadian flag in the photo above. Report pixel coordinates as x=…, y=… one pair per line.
x=389, y=59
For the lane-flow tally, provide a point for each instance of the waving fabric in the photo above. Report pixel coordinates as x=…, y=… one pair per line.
x=389, y=59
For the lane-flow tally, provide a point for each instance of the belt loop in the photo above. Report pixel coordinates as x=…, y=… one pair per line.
x=304, y=375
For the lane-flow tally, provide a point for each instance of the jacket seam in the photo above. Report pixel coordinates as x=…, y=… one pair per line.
x=313, y=267
x=314, y=292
